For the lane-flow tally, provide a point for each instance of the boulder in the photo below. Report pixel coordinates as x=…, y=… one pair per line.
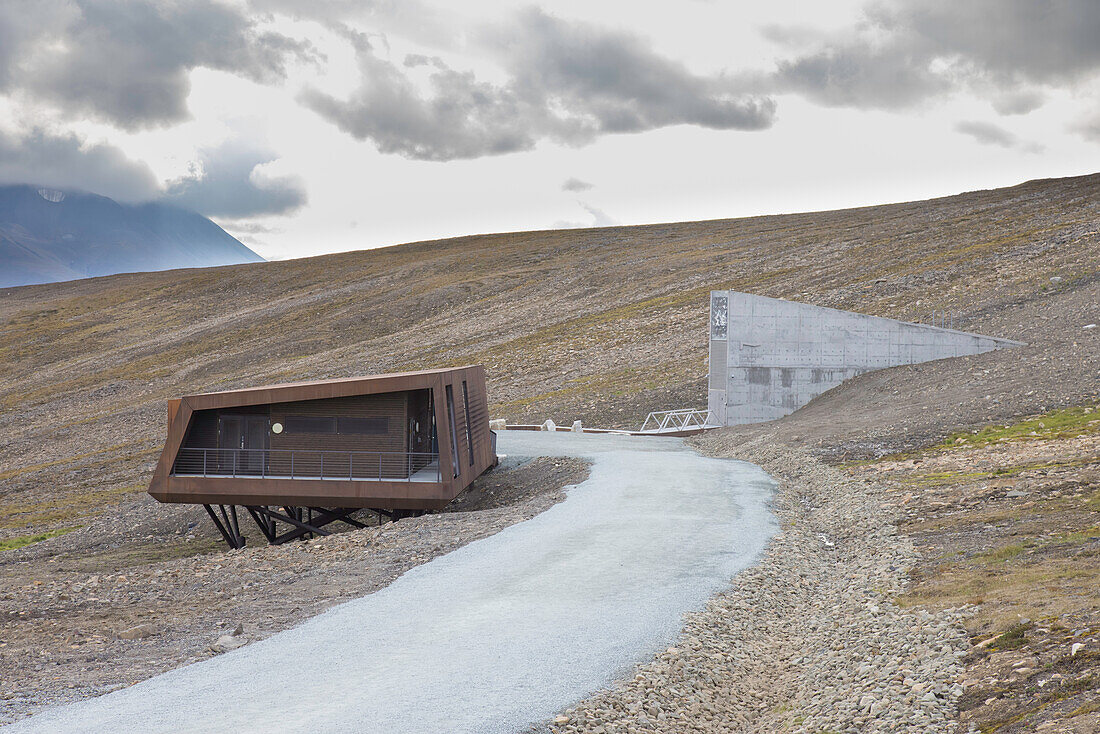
x=226, y=643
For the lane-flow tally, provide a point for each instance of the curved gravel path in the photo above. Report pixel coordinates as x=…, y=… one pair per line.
x=501, y=633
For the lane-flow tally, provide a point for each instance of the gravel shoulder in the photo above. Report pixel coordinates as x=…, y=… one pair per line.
x=101, y=608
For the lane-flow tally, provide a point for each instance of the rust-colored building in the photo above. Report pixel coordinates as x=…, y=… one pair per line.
x=396, y=444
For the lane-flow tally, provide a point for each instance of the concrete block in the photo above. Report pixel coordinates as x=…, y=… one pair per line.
x=769, y=356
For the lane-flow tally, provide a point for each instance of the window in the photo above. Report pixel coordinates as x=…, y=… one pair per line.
x=310, y=424
x=352, y=425
x=370, y=426
x=469, y=438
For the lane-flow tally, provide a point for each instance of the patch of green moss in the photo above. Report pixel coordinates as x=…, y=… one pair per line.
x=1066, y=423
x=25, y=540
x=63, y=508
x=1006, y=553
x=1013, y=638
x=934, y=479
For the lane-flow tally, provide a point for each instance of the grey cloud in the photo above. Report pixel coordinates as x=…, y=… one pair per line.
x=615, y=82
x=1008, y=40
x=128, y=61
x=255, y=228
x=903, y=52
x=460, y=118
x=410, y=19
x=414, y=60
x=230, y=185
x=856, y=75
x=567, y=82
x=989, y=134
x=599, y=219
x=575, y=184
x=65, y=161
x=1018, y=102
x=1089, y=128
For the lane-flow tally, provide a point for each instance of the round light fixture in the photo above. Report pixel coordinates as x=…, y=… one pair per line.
x=276, y=427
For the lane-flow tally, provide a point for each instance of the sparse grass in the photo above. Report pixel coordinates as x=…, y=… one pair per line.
x=627, y=381
x=1089, y=708
x=64, y=508
x=25, y=540
x=1040, y=702
x=1067, y=423
x=130, y=556
x=1081, y=420
x=1013, y=638
x=1000, y=555
x=1036, y=589
x=11, y=473
x=941, y=478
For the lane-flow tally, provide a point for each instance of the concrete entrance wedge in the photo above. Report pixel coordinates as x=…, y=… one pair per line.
x=769, y=357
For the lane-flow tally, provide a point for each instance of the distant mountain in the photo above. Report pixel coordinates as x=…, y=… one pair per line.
x=48, y=235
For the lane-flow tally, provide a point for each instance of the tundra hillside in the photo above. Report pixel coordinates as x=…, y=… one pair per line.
x=604, y=325
x=601, y=325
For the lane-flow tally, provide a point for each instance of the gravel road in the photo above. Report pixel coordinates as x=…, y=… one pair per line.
x=498, y=634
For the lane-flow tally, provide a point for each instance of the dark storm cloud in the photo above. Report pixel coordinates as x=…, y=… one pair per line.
x=128, y=61
x=575, y=184
x=64, y=161
x=568, y=82
x=903, y=52
x=230, y=185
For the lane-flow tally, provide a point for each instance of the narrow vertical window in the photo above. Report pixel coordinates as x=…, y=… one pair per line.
x=454, y=431
x=469, y=437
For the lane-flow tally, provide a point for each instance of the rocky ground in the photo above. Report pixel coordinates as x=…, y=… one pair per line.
x=92, y=611
x=1008, y=520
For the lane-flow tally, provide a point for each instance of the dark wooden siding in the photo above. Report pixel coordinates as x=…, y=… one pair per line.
x=389, y=406
x=479, y=414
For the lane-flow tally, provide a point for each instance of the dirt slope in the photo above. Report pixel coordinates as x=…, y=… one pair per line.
x=601, y=324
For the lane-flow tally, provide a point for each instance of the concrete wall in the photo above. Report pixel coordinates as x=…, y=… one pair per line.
x=769, y=357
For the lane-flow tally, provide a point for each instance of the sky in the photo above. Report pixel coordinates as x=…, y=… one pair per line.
x=305, y=128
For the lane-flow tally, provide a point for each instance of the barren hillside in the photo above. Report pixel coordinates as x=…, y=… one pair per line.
x=599, y=324
x=985, y=525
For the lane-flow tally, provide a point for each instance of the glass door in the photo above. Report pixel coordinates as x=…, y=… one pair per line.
x=242, y=444
x=255, y=444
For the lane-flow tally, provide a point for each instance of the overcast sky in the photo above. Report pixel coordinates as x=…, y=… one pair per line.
x=327, y=125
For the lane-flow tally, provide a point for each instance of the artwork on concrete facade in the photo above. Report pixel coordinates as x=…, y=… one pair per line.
x=769, y=357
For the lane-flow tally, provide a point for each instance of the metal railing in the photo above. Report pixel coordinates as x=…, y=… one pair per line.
x=686, y=419
x=308, y=464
